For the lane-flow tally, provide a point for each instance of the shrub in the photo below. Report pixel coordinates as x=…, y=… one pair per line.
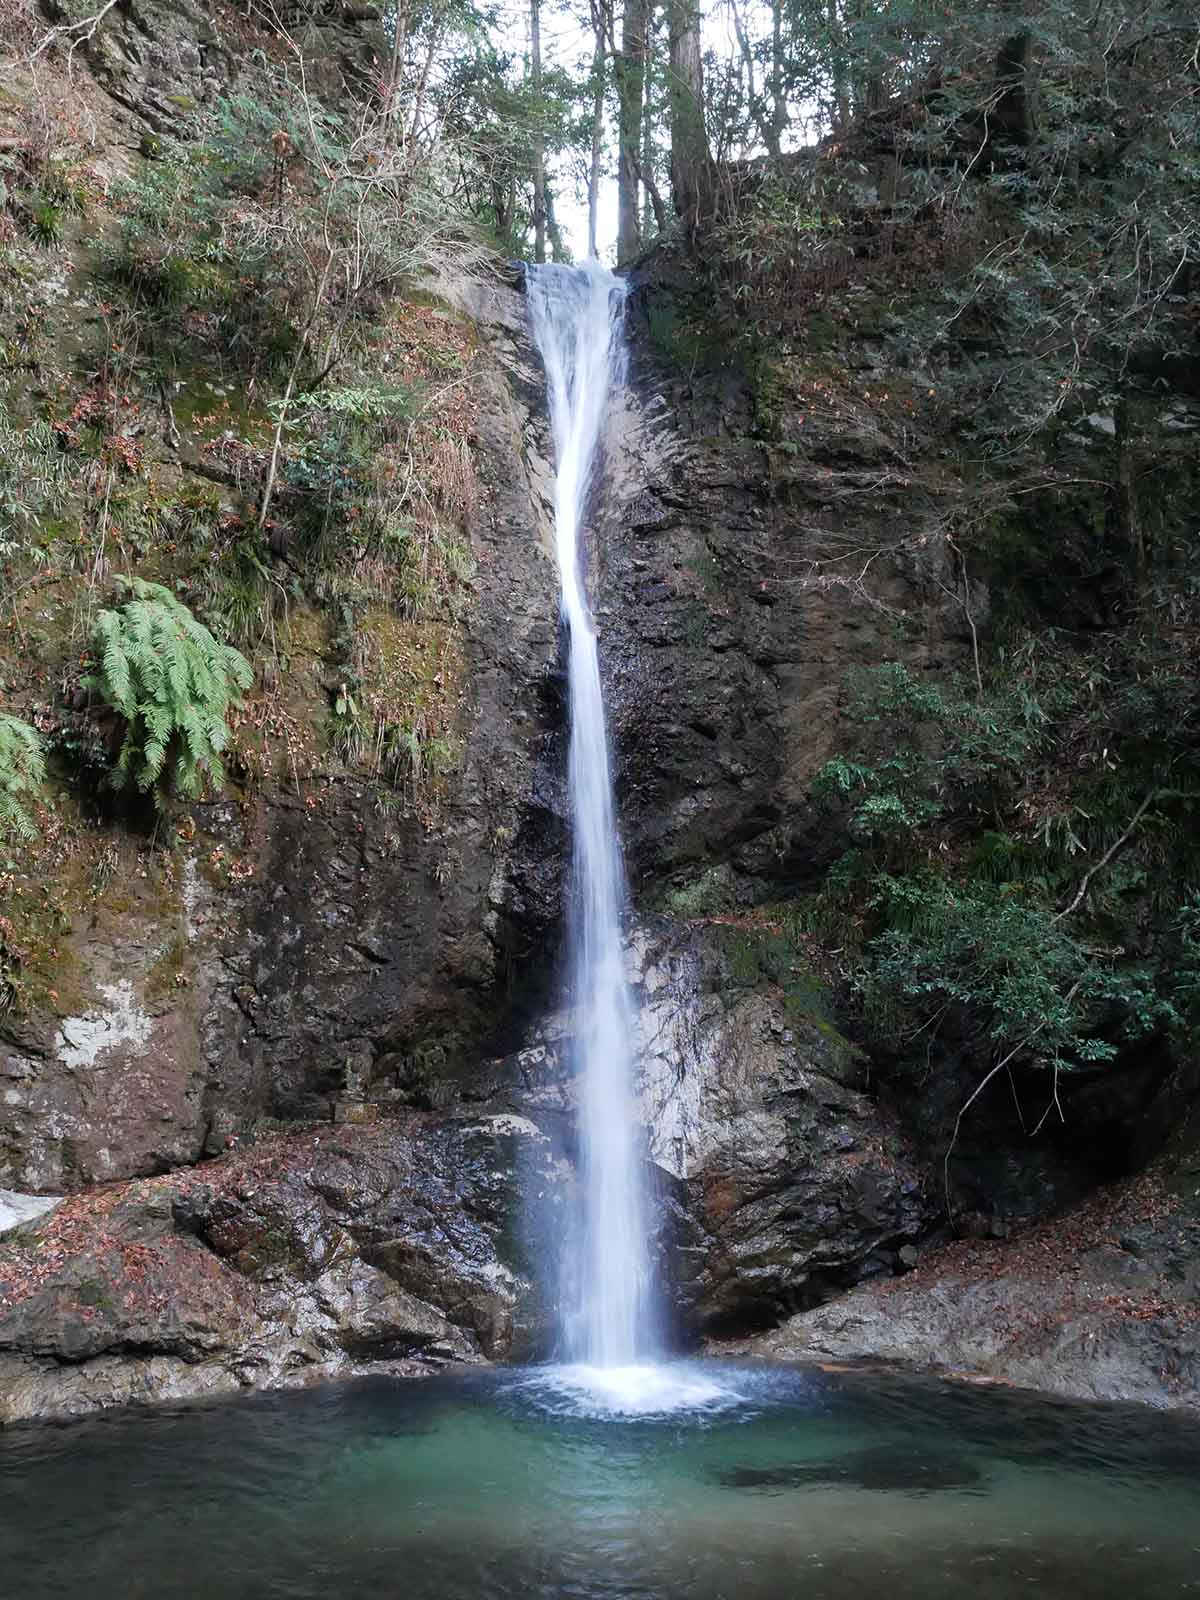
x=173, y=683
x=943, y=756
x=1012, y=970
x=22, y=769
x=46, y=223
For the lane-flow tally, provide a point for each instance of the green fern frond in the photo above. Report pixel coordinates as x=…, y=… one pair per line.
x=173, y=683
x=22, y=770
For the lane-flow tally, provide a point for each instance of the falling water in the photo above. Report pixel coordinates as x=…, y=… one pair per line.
x=577, y=314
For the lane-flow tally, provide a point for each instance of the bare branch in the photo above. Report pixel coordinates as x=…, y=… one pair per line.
x=1099, y=866
x=73, y=33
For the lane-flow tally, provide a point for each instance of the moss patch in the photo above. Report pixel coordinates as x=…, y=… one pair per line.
x=766, y=950
x=705, y=896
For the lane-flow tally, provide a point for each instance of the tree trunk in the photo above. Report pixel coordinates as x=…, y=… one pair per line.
x=692, y=176
x=779, y=108
x=631, y=79
x=864, y=33
x=1015, y=114
x=539, y=136
x=599, y=58
x=395, y=86
x=841, y=77
x=558, y=249
x=654, y=213
x=747, y=49
x=1128, y=518
x=770, y=113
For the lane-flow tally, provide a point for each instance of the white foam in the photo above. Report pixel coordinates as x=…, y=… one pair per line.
x=629, y=1392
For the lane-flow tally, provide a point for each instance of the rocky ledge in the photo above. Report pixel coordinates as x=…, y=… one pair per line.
x=1102, y=1303
x=308, y=1256
x=409, y=1242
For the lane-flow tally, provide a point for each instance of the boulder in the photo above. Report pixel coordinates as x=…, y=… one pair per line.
x=317, y=1252
x=1101, y=1304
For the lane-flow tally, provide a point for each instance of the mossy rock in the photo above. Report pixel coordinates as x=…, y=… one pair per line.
x=706, y=896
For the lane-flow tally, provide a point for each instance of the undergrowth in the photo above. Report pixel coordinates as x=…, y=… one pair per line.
x=1021, y=860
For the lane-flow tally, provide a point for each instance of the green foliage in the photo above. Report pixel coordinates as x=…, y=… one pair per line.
x=42, y=187
x=770, y=247
x=947, y=753
x=173, y=684
x=192, y=237
x=235, y=588
x=46, y=223
x=362, y=404
x=1006, y=964
x=494, y=114
x=407, y=753
x=963, y=895
x=172, y=250
x=33, y=480
x=1187, y=963
x=22, y=770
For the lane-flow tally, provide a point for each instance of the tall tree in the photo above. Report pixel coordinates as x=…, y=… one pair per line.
x=631, y=80
x=654, y=212
x=539, y=133
x=599, y=85
x=769, y=110
x=692, y=174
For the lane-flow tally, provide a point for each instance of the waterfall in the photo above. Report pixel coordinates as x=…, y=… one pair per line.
x=577, y=315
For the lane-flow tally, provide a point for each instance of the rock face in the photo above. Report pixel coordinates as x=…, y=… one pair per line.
x=311, y=1255
x=165, y=61
x=789, y=1181
x=429, y=1238
x=307, y=946
x=778, y=1180
x=1100, y=1304
x=730, y=619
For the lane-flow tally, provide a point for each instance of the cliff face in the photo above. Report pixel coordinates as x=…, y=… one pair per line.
x=303, y=945
x=313, y=935
x=303, y=1036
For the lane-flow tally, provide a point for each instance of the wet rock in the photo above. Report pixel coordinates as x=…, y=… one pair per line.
x=881, y=1469
x=777, y=1182
x=313, y=1254
x=1067, y=1307
x=789, y=1181
x=732, y=621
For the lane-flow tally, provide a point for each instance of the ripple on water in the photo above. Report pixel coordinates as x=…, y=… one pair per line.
x=681, y=1481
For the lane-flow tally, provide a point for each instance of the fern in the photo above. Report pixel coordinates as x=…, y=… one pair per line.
x=22, y=769
x=174, y=684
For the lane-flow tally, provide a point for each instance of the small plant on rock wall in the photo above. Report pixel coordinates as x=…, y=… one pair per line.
x=173, y=683
x=22, y=769
x=33, y=480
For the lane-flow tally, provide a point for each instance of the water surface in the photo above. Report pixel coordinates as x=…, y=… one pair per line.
x=781, y=1483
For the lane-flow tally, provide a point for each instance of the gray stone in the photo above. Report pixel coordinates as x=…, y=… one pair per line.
x=18, y=1208
x=312, y=1255
x=1071, y=1317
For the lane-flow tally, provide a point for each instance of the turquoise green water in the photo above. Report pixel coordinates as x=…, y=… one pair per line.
x=821, y=1486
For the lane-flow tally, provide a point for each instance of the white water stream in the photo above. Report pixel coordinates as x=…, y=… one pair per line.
x=577, y=315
